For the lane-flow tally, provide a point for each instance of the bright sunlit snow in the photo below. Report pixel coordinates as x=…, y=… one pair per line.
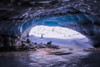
x=55, y=32
x=59, y=36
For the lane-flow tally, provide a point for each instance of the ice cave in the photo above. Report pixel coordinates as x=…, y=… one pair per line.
x=18, y=17
x=72, y=18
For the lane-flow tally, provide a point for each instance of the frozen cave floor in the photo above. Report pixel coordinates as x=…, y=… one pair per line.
x=34, y=54
x=48, y=57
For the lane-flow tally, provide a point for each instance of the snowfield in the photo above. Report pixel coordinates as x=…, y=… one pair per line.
x=59, y=36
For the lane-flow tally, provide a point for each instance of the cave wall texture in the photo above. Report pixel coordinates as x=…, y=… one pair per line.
x=18, y=16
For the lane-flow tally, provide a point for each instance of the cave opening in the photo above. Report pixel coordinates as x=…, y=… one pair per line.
x=71, y=19
x=62, y=36
x=75, y=28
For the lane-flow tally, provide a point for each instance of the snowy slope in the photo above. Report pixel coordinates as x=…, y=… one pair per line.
x=59, y=36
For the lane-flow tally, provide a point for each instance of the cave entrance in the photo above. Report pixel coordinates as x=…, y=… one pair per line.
x=58, y=35
x=73, y=20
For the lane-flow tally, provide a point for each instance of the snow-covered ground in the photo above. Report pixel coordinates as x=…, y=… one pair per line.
x=55, y=32
x=59, y=36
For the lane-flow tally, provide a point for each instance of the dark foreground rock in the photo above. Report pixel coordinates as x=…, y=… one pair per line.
x=28, y=45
